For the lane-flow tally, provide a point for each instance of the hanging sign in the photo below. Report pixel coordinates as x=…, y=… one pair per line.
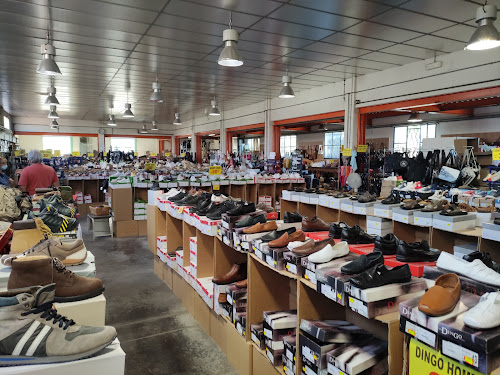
x=75, y=153
x=215, y=170
x=46, y=154
x=362, y=148
x=149, y=166
x=57, y=152
x=153, y=154
x=347, y=152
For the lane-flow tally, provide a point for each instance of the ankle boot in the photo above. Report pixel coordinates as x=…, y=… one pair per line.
x=43, y=270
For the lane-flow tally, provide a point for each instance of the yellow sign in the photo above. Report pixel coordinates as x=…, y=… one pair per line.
x=136, y=154
x=215, y=170
x=362, y=148
x=216, y=187
x=149, y=166
x=427, y=361
x=75, y=153
x=496, y=153
x=46, y=154
x=167, y=154
x=347, y=152
x=17, y=153
x=57, y=152
x=90, y=154
x=152, y=154
x=105, y=154
x=183, y=154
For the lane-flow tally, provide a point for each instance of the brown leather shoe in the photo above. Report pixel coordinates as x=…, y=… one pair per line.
x=257, y=228
x=311, y=246
x=286, y=238
x=314, y=225
x=222, y=298
x=242, y=284
x=43, y=270
x=442, y=297
x=237, y=273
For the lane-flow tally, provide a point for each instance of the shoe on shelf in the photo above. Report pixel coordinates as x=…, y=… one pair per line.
x=237, y=273
x=380, y=275
x=57, y=202
x=356, y=235
x=292, y=245
x=292, y=217
x=275, y=234
x=392, y=199
x=387, y=245
x=251, y=220
x=486, y=314
x=44, y=270
x=311, y=246
x=70, y=253
x=495, y=176
x=363, y=263
x=242, y=209
x=57, y=223
x=442, y=297
x=208, y=208
x=336, y=229
x=28, y=317
x=178, y=196
x=366, y=197
x=438, y=195
x=483, y=257
x=243, y=284
x=189, y=200
x=222, y=208
x=475, y=270
x=203, y=203
x=329, y=252
x=285, y=239
x=416, y=252
x=264, y=207
x=258, y=228
x=314, y=225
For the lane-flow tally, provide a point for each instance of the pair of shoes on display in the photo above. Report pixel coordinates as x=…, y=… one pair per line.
x=495, y=176
x=250, y=220
x=380, y=275
x=405, y=251
x=260, y=227
x=335, y=230
x=221, y=208
x=356, y=235
x=238, y=272
x=392, y=199
x=329, y=252
x=286, y=238
x=215, y=201
x=314, y=225
x=275, y=234
x=292, y=217
x=363, y=263
x=453, y=210
x=242, y=208
x=264, y=207
x=206, y=199
x=366, y=197
x=57, y=202
x=310, y=246
x=472, y=266
x=56, y=222
x=434, y=205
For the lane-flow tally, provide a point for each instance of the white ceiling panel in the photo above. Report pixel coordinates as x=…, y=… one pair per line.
x=453, y=10
x=356, y=41
x=353, y=8
x=291, y=29
x=384, y=32
x=411, y=51
x=436, y=43
x=411, y=21
x=388, y=58
x=458, y=32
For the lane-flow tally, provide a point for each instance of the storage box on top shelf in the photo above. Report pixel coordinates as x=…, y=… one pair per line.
x=454, y=223
x=491, y=231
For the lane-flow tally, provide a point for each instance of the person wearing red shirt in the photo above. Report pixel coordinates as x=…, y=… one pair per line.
x=37, y=175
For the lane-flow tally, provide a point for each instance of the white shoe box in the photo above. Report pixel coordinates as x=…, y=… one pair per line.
x=335, y=202
x=109, y=361
x=378, y=223
x=402, y=215
x=423, y=219
x=454, y=223
x=324, y=200
x=384, y=210
x=491, y=231
x=363, y=208
x=286, y=194
x=378, y=231
x=305, y=197
x=89, y=312
x=346, y=205
x=482, y=217
x=296, y=196
x=153, y=195
x=461, y=250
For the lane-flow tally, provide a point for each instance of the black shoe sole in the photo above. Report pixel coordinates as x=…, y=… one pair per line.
x=314, y=230
x=400, y=258
x=80, y=297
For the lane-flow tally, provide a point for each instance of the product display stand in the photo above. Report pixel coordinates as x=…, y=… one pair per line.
x=306, y=209
x=411, y=232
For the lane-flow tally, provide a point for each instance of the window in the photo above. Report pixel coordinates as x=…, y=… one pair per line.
x=123, y=144
x=288, y=144
x=333, y=145
x=55, y=142
x=409, y=138
x=6, y=122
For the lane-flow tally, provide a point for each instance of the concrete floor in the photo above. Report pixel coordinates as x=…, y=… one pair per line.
x=156, y=332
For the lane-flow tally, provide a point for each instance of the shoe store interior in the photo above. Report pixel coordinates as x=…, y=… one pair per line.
x=252, y=187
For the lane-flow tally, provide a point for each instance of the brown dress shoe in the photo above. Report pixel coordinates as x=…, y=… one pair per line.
x=43, y=270
x=237, y=273
x=222, y=298
x=311, y=246
x=257, y=228
x=286, y=238
x=442, y=297
x=242, y=284
x=314, y=225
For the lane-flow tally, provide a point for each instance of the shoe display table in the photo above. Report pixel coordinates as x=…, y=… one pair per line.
x=89, y=312
x=100, y=226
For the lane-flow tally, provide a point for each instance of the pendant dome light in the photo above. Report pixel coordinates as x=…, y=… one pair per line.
x=51, y=91
x=111, y=121
x=414, y=117
x=486, y=35
x=287, y=91
x=144, y=130
x=54, y=125
x=154, y=126
x=153, y=123
x=156, y=95
x=230, y=55
x=177, y=120
x=53, y=113
x=128, y=113
x=48, y=66
x=214, y=111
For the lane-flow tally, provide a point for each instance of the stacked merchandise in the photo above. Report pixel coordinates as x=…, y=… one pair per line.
x=161, y=248
x=56, y=215
x=193, y=261
x=278, y=326
x=122, y=205
x=140, y=212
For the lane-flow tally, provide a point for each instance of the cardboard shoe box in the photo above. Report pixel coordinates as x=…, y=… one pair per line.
x=385, y=306
x=357, y=359
x=387, y=291
x=454, y=223
x=491, y=231
x=122, y=205
x=257, y=335
x=126, y=228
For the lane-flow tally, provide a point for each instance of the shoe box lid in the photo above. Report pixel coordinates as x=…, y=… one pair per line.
x=390, y=207
x=454, y=219
x=356, y=358
x=360, y=204
x=424, y=214
x=416, y=269
x=402, y=211
x=491, y=226
x=337, y=262
x=314, y=351
x=467, y=284
x=387, y=291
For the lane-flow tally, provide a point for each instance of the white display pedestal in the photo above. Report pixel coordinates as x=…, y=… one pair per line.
x=89, y=312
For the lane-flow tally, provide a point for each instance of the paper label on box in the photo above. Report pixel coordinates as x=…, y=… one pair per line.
x=255, y=339
x=240, y=329
x=270, y=260
x=420, y=334
x=310, y=275
x=289, y=355
x=334, y=370
x=309, y=354
x=309, y=371
x=358, y=306
x=268, y=333
x=460, y=353
x=270, y=355
x=290, y=267
x=328, y=291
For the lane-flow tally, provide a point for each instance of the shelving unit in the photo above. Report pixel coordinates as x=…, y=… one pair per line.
x=444, y=240
x=238, y=191
x=306, y=209
x=410, y=232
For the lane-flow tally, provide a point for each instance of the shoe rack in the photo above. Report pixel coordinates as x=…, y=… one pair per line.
x=205, y=254
x=445, y=241
x=252, y=192
x=238, y=191
x=175, y=236
x=268, y=189
x=410, y=232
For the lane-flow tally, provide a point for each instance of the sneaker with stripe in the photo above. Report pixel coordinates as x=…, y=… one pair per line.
x=56, y=222
x=32, y=332
x=57, y=202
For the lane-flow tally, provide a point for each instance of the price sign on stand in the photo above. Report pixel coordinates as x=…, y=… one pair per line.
x=347, y=152
x=149, y=166
x=90, y=154
x=362, y=148
x=46, y=154
x=215, y=170
x=17, y=153
x=496, y=156
x=167, y=154
x=75, y=153
x=152, y=154
x=57, y=153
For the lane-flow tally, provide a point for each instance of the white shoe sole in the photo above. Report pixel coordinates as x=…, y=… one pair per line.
x=76, y=258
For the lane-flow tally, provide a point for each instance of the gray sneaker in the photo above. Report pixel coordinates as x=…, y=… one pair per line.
x=32, y=332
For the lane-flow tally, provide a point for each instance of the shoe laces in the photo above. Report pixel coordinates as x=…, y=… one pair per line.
x=40, y=245
x=49, y=313
x=61, y=268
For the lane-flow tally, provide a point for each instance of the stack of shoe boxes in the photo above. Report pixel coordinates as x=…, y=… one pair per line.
x=257, y=335
x=290, y=343
x=124, y=224
x=237, y=299
x=378, y=226
x=161, y=248
x=140, y=210
x=277, y=325
x=193, y=261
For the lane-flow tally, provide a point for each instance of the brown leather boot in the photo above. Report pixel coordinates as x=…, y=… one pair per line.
x=237, y=273
x=242, y=284
x=43, y=270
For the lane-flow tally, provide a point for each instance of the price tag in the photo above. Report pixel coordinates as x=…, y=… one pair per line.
x=180, y=209
x=17, y=153
x=46, y=154
x=105, y=154
x=57, y=152
x=75, y=153
x=90, y=154
x=362, y=148
x=167, y=154
x=136, y=154
x=149, y=166
x=183, y=155
x=215, y=170
x=347, y=152
x=152, y=154
x=496, y=153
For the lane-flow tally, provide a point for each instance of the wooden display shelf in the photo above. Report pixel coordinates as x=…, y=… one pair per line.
x=492, y=247
x=445, y=240
x=251, y=192
x=224, y=189
x=330, y=215
x=225, y=257
x=286, y=205
x=410, y=232
x=278, y=191
x=267, y=189
x=91, y=187
x=204, y=255
x=307, y=209
x=352, y=219
x=174, y=234
x=188, y=232
x=281, y=272
x=238, y=191
x=261, y=364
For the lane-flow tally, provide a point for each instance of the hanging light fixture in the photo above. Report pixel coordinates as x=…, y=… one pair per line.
x=322, y=127
x=128, y=113
x=414, y=117
x=287, y=91
x=156, y=95
x=230, y=55
x=51, y=91
x=54, y=125
x=154, y=126
x=111, y=121
x=486, y=35
x=48, y=66
x=144, y=130
x=214, y=111
x=53, y=113
x=177, y=120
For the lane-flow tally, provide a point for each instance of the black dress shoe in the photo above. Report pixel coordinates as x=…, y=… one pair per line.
x=200, y=206
x=380, y=275
x=336, y=229
x=367, y=197
x=356, y=235
x=242, y=209
x=190, y=200
x=392, y=199
x=251, y=220
x=275, y=234
x=483, y=257
x=210, y=208
x=221, y=209
x=387, y=245
x=292, y=217
x=178, y=197
x=363, y=263
x=416, y=252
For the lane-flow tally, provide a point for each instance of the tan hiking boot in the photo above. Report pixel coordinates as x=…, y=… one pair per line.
x=43, y=270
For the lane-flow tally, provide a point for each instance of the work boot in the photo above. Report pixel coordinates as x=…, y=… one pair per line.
x=34, y=333
x=44, y=270
x=56, y=222
x=57, y=202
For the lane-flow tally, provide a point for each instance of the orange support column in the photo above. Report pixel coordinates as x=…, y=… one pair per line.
x=277, y=141
x=362, y=123
x=198, y=149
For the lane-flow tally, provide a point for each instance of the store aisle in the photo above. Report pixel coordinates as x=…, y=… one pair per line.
x=155, y=330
